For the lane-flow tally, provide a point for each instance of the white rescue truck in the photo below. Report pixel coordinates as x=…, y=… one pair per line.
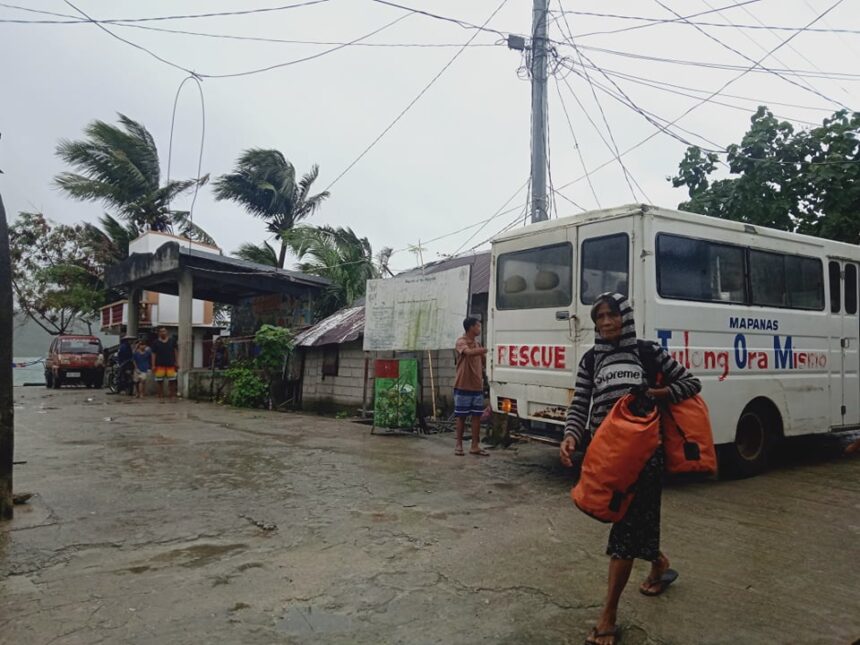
x=767, y=320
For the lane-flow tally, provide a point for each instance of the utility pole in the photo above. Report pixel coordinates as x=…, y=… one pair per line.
x=539, y=110
x=7, y=423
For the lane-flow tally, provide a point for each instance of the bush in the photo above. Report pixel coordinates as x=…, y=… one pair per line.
x=274, y=344
x=248, y=389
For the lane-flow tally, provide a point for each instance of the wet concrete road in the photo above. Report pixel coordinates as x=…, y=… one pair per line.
x=194, y=523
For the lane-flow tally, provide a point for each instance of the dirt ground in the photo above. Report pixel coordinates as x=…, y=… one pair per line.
x=195, y=523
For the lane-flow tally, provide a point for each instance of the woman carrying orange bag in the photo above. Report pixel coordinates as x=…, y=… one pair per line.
x=613, y=368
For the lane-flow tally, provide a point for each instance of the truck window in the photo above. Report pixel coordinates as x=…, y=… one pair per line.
x=535, y=278
x=780, y=280
x=604, y=267
x=835, y=287
x=690, y=269
x=804, y=280
x=851, y=289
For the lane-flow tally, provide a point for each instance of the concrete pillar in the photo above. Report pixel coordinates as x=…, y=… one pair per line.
x=133, y=313
x=186, y=341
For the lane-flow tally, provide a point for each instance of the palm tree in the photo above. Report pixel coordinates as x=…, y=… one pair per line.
x=263, y=254
x=119, y=166
x=337, y=254
x=264, y=182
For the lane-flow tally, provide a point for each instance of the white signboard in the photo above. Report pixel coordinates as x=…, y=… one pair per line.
x=417, y=312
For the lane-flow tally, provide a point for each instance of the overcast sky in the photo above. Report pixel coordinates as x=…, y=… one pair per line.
x=455, y=157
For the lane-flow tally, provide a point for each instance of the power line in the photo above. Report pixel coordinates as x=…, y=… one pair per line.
x=676, y=89
x=710, y=65
x=247, y=72
x=576, y=142
x=128, y=42
x=305, y=59
x=790, y=46
x=757, y=63
x=664, y=21
x=119, y=22
x=614, y=146
x=654, y=119
x=680, y=20
x=202, y=138
x=616, y=156
x=286, y=41
x=218, y=14
x=414, y=100
x=499, y=212
x=456, y=21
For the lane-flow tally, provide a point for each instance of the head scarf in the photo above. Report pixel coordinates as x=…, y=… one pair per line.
x=627, y=340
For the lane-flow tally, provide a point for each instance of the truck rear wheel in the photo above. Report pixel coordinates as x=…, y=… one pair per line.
x=758, y=429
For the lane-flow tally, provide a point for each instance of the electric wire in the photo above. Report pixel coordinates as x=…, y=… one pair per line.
x=685, y=20
x=790, y=46
x=616, y=156
x=614, y=147
x=711, y=65
x=456, y=21
x=202, y=138
x=757, y=63
x=499, y=212
x=576, y=142
x=414, y=100
x=664, y=21
x=242, y=12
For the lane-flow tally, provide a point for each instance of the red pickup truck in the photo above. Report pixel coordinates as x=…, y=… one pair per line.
x=75, y=359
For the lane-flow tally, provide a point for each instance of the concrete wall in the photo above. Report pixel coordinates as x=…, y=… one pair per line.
x=343, y=390
x=346, y=389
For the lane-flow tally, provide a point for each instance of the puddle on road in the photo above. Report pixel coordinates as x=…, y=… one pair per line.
x=199, y=555
x=307, y=620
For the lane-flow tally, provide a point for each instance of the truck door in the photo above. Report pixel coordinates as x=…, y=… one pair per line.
x=844, y=381
x=532, y=323
x=605, y=250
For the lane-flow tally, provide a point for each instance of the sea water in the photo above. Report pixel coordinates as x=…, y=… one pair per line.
x=34, y=373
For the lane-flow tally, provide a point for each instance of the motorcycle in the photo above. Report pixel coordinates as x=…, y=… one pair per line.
x=120, y=376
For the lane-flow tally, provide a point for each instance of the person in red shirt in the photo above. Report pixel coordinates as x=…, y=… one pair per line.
x=469, y=386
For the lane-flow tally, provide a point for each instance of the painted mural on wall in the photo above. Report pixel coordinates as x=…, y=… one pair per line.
x=278, y=309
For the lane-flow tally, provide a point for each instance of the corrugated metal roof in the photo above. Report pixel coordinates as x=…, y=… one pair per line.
x=341, y=327
x=480, y=274
x=348, y=324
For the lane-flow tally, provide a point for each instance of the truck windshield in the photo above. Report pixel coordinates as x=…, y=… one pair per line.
x=535, y=278
x=80, y=346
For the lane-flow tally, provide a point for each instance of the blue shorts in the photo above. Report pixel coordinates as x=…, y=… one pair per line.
x=467, y=403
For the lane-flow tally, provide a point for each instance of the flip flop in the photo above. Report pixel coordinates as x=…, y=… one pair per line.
x=593, y=635
x=480, y=453
x=669, y=576
x=459, y=452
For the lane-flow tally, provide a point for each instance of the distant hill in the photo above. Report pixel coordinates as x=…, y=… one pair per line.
x=30, y=340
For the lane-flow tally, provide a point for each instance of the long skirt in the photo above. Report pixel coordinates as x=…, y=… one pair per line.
x=637, y=535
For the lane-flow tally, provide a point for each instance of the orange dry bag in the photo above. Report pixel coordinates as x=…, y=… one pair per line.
x=687, y=437
x=622, y=445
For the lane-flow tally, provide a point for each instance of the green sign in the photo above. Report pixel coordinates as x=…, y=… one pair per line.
x=396, y=398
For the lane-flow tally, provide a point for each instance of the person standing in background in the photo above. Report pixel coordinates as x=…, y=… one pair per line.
x=469, y=386
x=165, y=363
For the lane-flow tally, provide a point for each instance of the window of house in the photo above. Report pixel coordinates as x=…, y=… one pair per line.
x=605, y=267
x=331, y=358
x=535, y=278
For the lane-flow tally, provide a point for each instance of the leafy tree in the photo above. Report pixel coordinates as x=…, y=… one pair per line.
x=55, y=278
x=263, y=254
x=109, y=243
x=264, y=182
x=337, y=254
x=119, y=167
x=804, y=181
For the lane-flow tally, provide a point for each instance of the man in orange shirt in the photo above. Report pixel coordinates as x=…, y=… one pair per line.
x=469, y=386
